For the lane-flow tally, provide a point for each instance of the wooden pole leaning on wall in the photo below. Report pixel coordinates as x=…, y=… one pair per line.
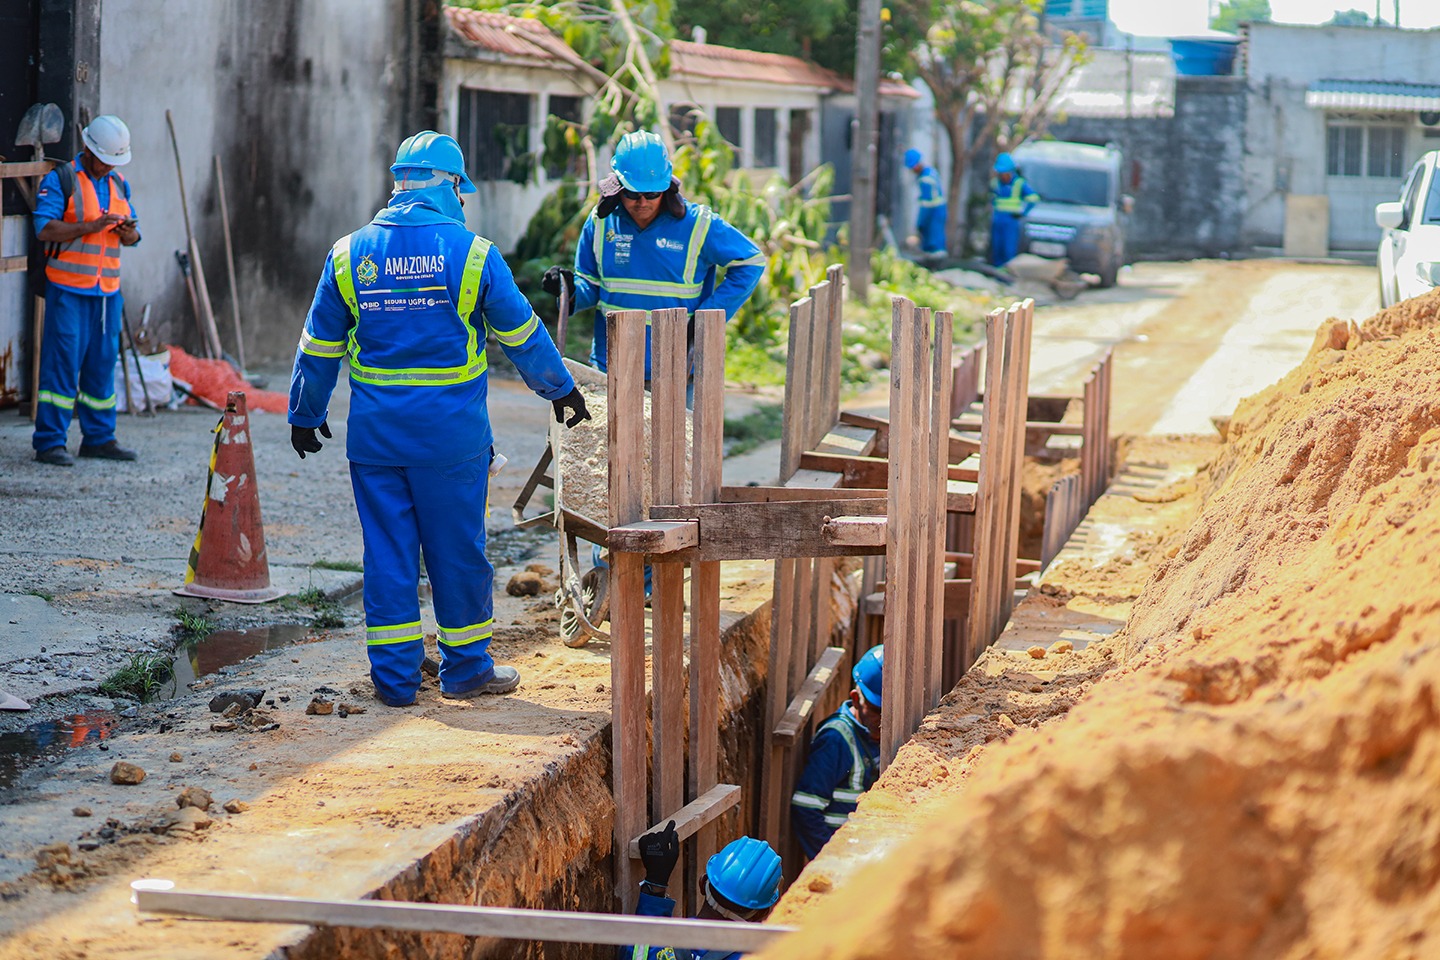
x=625, y=387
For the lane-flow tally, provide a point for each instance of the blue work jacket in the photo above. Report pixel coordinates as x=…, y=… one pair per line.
x=674, y=262
x=1014, y=198
x=930, y=220
x=844, y=762
x=402, y=305
x=653, y=906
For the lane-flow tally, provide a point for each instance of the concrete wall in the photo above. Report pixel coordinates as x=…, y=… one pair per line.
x=305, y=101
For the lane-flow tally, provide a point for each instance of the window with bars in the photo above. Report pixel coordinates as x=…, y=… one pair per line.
x=494, y=132
x=727, y=121
x=766, y=130
x=1354, y=149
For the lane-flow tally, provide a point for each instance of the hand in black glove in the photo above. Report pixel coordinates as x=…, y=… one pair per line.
x=659, y=851
x=555, y=276
x=571, y=401
x=303, y=438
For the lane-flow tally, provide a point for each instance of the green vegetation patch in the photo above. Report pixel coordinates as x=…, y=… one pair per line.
x=143, y=678
x=760, y=425
x=348, y=566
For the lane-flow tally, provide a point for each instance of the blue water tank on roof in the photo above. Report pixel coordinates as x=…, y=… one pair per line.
x=1203, y=57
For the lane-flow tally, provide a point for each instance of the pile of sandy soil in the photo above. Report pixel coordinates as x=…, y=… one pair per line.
x=1257, y=776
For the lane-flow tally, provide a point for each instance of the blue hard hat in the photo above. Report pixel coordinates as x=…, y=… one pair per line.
x=747, y=873
x=428, y=150
x=912, y=158
x=642, y=163
x=869, y=674
x=1004, y=163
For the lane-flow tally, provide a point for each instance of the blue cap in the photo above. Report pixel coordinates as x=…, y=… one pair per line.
x=912, y=158
x=642, y=163
x=747, y=873
x=1004, y=163
x=869, y=674
x=428, y=150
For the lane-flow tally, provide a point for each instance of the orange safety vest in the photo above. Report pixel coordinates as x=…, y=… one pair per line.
x=93, y=257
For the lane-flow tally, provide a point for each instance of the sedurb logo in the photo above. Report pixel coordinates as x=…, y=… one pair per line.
x=366, y=271
x=402, y=268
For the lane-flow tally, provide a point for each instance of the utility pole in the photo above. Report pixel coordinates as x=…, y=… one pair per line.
x=864, y=153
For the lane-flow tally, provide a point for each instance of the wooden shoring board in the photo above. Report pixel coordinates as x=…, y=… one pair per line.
x=965, y=379
x=783, y=494
x=625, y=388
x=867, y=631
x=940, y=451
x=797, y=386
x=834, y=340
x=773, y=753
x=959, y=533
x=1062, y=509
x=987, y=499
x=802, y=706
x=509, y=923
x=1020, y=392
x=695, y=815
x=669, y=372
x=818, y=420
x=766, y=530
x=707, y=456
x=955, y=592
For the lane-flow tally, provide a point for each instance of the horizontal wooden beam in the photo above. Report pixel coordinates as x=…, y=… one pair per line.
x=767, y=531
x=1031, y=426
x=964, y=563
x=957, y=599
x=960, y=447
x=506, y=923
x=14, y=264
x=695, y=815
x=782, y=494
x=855, y=531
x=810, y=692
x=654, y=536
x=848, y=439
x=857, y=471
x=35, y=168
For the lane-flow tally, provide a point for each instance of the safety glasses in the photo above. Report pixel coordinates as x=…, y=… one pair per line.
x=632, y=195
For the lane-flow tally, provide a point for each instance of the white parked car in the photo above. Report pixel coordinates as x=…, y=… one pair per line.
x=1409, y=255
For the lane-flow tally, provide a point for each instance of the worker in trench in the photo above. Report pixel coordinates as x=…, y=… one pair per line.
x=844, y=759
x=408, y=302
x=741, y=883
x=645, y=247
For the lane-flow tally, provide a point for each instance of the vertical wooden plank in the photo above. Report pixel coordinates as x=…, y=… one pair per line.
x=776, y=701
x=1090, y=421
x=1020, y=391
x=1107, y=468
x=835, y=340
x=625, y=385
x=668, y=365
x=818, y=420
x=872, y=571
x=797, y=378
x=707, y=456
x=941, y=385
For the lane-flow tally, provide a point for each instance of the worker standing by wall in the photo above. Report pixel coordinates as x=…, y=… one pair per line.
x=83, y=212
x=403, y=299
x=741, y=883
x=1011, y=197
x=930, y=218
x=844, y=759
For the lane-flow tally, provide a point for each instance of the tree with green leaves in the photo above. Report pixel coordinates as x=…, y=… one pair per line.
x=992, y=69
x=1350, y=18
x=818, y=30
x=1232, y=13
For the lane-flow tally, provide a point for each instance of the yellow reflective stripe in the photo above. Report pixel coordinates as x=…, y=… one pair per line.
x=937, y=202
x=809, y=801
x=698, y=233
x=470, y=281
x=654, y=288
x=420, y=376
x=397, y=633
x=476, y=631
x=857, y=759
x=849, y=796
x=95, y=403
x=340, y=261
x=513, y=338
x=756, y=261
x=56, y=399
x=585, y=276
x=321, y=348
x=836, y=819
x=597, y=245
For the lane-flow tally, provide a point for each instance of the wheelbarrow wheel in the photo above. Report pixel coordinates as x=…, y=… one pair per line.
x=595, y=594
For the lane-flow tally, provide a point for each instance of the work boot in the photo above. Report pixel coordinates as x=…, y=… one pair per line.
x=107, y=451
x=505, y=680
x=55, y=456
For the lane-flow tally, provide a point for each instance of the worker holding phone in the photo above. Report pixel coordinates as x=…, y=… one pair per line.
x=83, y=214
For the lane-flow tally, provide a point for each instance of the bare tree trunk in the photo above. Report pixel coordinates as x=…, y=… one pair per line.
x=954, y=126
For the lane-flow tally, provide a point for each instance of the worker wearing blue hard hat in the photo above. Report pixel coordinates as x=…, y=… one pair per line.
x=741, y=883
x=844, y=758
x=407, y=302
x=1011, y=198
x=930, y=218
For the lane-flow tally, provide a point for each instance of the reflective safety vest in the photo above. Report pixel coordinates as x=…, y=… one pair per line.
x=388, y=359
x=92, y=258
x=1010, y=198
x=864, y=770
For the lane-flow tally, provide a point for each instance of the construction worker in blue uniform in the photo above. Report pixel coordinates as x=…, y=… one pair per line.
x=930, y=218
x=844, y=759
x=1011, y=198
x=84, y=215
x=407, y=303
x=741, y=883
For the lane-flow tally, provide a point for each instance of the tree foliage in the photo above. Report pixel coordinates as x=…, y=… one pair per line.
x=1232, y=13
x=1350, y=18
x=992, y=69
x=819, y=30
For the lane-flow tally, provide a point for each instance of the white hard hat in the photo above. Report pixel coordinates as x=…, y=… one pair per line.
x=109, y=139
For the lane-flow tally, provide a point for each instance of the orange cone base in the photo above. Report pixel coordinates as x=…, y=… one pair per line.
x=261, y=595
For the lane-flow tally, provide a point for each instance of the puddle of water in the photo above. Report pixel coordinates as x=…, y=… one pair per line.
x=225, y=648
x=50, y=740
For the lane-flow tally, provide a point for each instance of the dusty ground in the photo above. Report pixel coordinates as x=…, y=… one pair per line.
x=1251, y=770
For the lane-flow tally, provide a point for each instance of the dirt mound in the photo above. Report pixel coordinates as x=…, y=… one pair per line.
x=1258, y=779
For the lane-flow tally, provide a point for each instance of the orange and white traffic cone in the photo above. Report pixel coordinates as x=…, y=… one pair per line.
x=228, y=559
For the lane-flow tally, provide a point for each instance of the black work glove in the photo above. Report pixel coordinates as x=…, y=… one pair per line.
x=659, y=851
x=571, y=401
x=303, y=438
x=555, y=276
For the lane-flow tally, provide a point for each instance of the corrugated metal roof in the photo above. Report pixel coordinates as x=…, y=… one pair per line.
x=1372, y=95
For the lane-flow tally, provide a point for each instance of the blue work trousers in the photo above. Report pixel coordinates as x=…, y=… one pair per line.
x=77, y=367
x=440, y=511
x=1004, y=238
